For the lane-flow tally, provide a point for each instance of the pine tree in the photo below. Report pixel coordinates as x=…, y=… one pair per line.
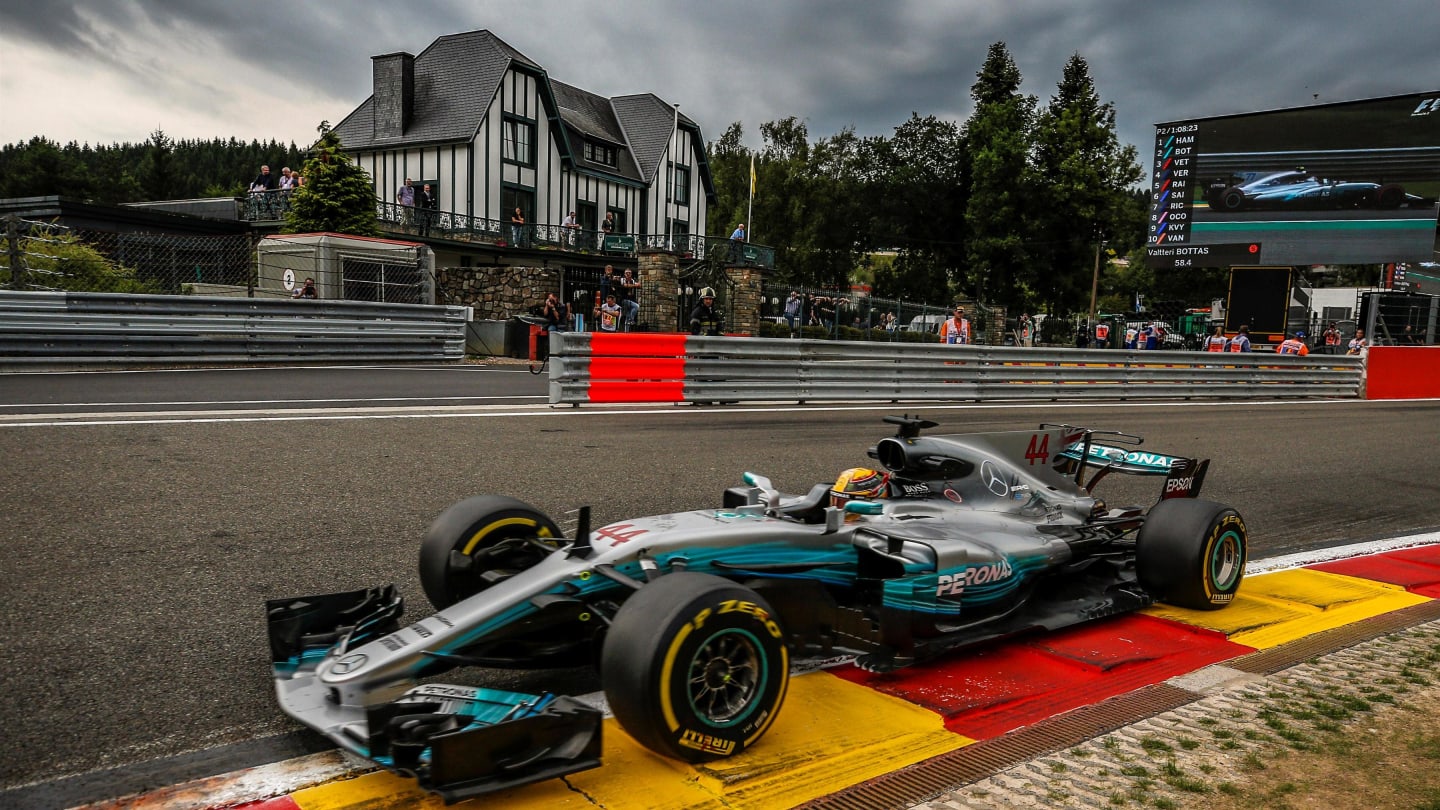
x=338, y=196
x=997, y=141
x=1083, y=179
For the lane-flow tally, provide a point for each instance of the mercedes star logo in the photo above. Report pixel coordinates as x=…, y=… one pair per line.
x=993, y=480
x=348, y=664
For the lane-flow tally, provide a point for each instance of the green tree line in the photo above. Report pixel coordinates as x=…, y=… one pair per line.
x=158, y=168
x=1008, y=206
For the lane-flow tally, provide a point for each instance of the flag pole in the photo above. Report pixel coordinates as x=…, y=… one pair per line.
x=750, y=209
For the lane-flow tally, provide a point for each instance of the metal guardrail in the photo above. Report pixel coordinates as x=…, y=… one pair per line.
x=62, y=329
x=752, y=369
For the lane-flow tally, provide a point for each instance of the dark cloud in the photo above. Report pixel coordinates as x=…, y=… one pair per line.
x=831, y=63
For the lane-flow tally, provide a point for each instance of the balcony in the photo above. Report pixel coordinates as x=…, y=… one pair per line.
x=427, y=224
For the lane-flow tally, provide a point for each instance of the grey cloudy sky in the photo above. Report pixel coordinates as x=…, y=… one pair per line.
x=102, y=71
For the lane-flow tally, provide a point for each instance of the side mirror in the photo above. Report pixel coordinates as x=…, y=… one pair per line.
x=768, y=494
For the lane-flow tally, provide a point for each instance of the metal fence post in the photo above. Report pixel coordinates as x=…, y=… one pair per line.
x=17, y=259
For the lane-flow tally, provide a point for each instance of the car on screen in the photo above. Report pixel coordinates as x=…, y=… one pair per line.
x=1300, y=189
x=693, y=618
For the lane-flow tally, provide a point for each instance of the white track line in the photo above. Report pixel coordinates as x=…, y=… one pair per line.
x=447, y=412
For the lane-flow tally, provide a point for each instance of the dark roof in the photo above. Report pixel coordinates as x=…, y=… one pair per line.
x=587, y=115
x=458, y=75
x=455, y=79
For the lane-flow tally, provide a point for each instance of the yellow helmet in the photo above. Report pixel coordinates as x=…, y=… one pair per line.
x=859, y=484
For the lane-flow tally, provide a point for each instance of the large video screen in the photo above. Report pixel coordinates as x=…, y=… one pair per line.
x=1350, y=183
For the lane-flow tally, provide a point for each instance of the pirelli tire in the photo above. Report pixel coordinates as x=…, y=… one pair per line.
x=1191, y=553
x=479, y=542
x=1232, y=199
x=1389, y=195
x=695, y=667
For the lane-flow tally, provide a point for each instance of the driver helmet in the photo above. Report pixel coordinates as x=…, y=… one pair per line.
x=858, y=484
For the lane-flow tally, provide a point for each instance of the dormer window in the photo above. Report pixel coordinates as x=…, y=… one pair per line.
x=599, y=153
x=518, y=142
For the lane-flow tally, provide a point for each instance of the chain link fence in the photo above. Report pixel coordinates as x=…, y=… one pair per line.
x=836, y=315
x=47, y=256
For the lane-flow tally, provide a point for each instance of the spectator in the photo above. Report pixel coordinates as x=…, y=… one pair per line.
x=426, y=201
x=737, y=244
x=517, y=228
x=265, y=181
x=405, y=196
x=1241, y=341
x=1082, y=335
x=306, y=291
x=793, y=305
x=1294, y=344
x=609, y=282
x=556, y=314
x=572, y=227
x=956, y=328
x=287, y=180
x=608, y=314
x=607, y=228
x=1408, y=337
x=297, y=180
x=1358, y=344
x=1027, y=330
x=630, y=297
x=705, y=318
x=1217, y=341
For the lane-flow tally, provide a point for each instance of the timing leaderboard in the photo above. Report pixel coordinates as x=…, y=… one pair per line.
x=1175, y=150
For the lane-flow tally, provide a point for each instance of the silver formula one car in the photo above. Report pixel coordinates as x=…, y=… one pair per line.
x=694, y=617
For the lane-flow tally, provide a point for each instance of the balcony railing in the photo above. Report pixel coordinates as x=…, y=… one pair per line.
x=269, y=206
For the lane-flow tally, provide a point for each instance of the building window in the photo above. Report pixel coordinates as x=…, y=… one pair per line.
x=679, y=184
x=586, y=213
x=519, y=142
x=599, y=153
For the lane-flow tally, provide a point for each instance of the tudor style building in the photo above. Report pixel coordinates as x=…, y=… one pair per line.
x=490, y=131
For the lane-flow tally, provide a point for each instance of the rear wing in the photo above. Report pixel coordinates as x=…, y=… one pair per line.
x=1183, y=476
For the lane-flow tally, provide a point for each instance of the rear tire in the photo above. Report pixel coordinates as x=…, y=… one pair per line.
x=465, y=551
x=695, y=667
x=1232, y=199
x=1191, y=553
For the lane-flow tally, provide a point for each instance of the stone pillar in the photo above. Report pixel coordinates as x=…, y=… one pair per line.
x=744, y=304
x=659, y=275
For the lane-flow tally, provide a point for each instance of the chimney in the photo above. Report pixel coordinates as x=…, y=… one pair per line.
x=394, y=75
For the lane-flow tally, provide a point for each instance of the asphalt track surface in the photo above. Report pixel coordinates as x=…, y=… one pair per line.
x=139, y=549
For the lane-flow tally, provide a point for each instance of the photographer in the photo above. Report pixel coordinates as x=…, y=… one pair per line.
x=306, y=291
x=555, y=313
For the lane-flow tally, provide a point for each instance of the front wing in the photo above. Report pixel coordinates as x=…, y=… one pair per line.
x=457, y=741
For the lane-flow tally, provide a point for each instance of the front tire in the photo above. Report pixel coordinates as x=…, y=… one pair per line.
x=481, y=541
x=1389, y=196
x=1191, y=553
x=695, y=667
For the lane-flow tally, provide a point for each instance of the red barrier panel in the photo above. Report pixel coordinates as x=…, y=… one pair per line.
x=1402, y=372
x=637, y=368
x=631, y=344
